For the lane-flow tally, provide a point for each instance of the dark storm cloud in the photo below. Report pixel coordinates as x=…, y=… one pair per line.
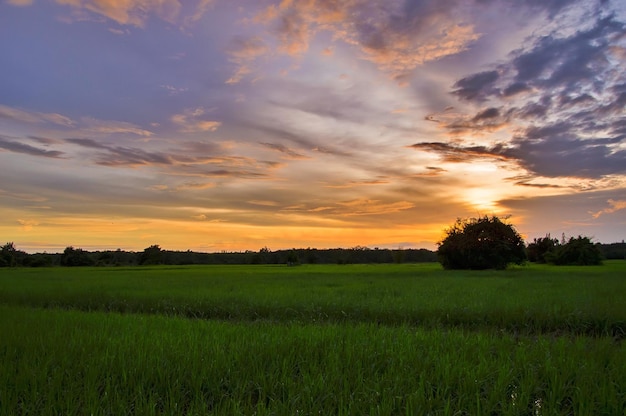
x=16, y=147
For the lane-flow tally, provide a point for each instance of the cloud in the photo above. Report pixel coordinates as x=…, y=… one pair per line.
x=33, y=117
x=265, y=203
x=243, y=51
x=128, y=12
x=396, y=37
x=84, y=125
x=201, y=9
x=477, y=86
x=561, y=99
x=118, y=156
x=542, y=152
x=352, y=184
x=287, y=152
x=106, y=127
x=20, y=2
x=615, y=205
x=27, y=225
x=23, y=196
x=193, y=121
x=179, y=162
x=361, y=206
x=196, y=186
x=17, y=147
x=461, y=154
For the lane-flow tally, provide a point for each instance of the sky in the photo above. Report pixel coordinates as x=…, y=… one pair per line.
x=224, y=125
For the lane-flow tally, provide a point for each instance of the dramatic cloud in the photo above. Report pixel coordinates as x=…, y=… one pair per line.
x=563, y=100
x=233, y=125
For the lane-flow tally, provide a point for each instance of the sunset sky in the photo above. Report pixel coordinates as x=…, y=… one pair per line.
x=216, y=125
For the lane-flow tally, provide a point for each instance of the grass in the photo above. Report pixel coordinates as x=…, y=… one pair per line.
x=531, y=299
x=70, y=362
x=345, y=340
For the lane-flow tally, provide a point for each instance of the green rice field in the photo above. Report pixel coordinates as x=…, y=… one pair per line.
x=408, y=339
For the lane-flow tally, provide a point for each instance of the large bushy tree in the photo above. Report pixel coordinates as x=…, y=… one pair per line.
x=481, y=243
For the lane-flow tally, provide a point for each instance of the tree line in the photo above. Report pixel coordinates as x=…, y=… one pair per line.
x=10, y=256
x=475, y=243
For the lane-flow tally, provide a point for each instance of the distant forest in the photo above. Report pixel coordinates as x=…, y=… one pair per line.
x=153, y=255
x=10, y=256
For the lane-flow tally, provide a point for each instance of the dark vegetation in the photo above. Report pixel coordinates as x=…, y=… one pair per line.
x=481, y=243
x=578, y=251
x=474, y=244
x=153, y=255
x=489, y=243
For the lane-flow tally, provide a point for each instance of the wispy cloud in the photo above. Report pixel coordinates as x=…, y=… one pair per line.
x=286, y=151
x=128, y=12
x=20, y=2
x=18, y=147
x=396, y=37
x=34, y=117
x=243, y=51
x=614, y=206
x=92, y=125
x=194, y=120
x=27, y=225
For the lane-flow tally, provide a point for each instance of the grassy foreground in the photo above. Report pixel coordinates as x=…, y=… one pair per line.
x=375, y=340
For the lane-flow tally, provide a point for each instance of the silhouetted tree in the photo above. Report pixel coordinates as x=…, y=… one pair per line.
x=151, y=255
x=578, y=251
x=76, y=257
x=10, y=256
x=292, y=258
x=539, y=248
x=481, y=243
